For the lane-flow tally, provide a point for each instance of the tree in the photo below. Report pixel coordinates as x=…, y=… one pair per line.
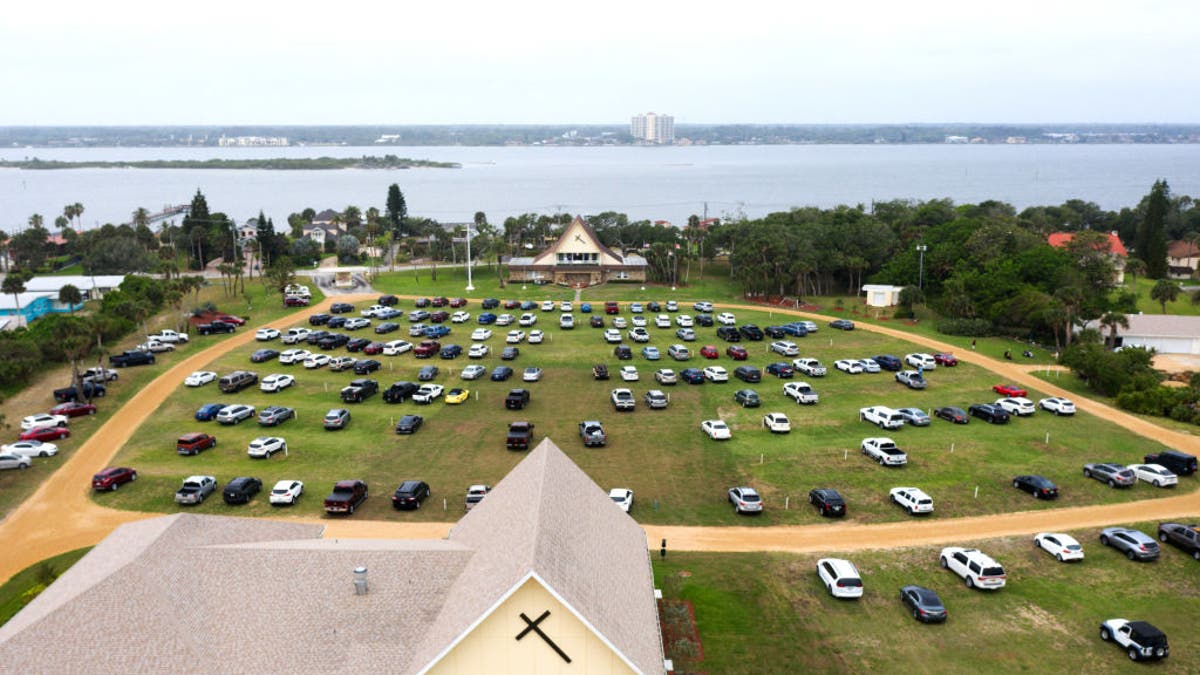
x=1135, y=267
x=14, y=284
x=397, y=209
x=141, y=217
x=70, y=296
x=36, y=221
x=281, y=274
x=1151, y=243
x=1164, y=291
x=347, y=249
x=1112, y=321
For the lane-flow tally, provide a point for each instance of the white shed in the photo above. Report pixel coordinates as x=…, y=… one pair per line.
x=879, y=295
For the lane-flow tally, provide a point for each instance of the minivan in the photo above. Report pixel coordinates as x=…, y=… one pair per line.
x=237, y=381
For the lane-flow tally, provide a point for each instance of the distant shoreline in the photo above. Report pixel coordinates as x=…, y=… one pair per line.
x=277, y=164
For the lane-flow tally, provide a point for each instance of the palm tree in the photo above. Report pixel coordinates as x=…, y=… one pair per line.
x=36, y=220
x=1112, y=321
x=1071, y=298
x=1135, y=266
x=70, y=296
x=1164, y=291
x=141, y=217
x=14, y=283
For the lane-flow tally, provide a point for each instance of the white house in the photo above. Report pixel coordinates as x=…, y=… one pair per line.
x=1165, y=333
x=880, y=295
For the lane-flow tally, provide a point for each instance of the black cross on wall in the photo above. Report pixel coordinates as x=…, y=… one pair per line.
x=532, y=625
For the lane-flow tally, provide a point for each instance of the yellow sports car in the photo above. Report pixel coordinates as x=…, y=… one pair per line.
x=455, y=396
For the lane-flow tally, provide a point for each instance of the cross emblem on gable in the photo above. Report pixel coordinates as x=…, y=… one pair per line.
x=532, y=625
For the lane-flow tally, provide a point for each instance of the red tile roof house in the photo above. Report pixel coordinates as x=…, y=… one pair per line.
x=1115, y=248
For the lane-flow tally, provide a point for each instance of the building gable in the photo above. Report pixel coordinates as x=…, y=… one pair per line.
x=580, y=245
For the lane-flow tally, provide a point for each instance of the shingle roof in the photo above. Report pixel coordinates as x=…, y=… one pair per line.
x=1155, y=325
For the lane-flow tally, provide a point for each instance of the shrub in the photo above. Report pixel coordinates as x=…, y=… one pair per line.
x=966, y=327
x=28, y=596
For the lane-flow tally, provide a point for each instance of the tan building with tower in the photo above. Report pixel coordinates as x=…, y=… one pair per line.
x=577, y=259
x=545, y=575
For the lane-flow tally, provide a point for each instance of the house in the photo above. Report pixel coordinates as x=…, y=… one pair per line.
x=1183, y=258
x=41, y=297
x=881, y=295
x=93, y=287
x=1116, y=249
x=1165, y=333
x=545, y=575
x=577, y=258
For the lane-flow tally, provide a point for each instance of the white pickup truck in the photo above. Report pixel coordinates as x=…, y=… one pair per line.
x=168, y=335
x=882, y=417
x=810, y=367
x=294, y=335
x=884, y=451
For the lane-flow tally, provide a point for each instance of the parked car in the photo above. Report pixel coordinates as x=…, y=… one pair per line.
x=1009, y=390
x=692, y=376
x=716, y=430
x=842, y=324
x=988, y=412
x=265, y=446
x=945, y=359
x=781, y=370
x=410, y=494
x=1057, y=405
x=509, y=353
x=709, y=352
x=849, y=366
x=276, y=382
x=501, y=373
x=715, y=374
x=914, y=417
x=1135, y=544
x=1063, y=547
x=208, y=411
x=1154, y=474
x=347, y=496
x=747, y=398
x=14, y=461
x=476, y=493
x=924, y=603
x=235, y=414
x=665, y=376
x=113, y=478
x=777, y=423
x=1038, y=486
x=622, y=497
x=748, y=374
x=650, y=353
x=31, y=447
x=1179, y=463
x=194, y=443
x=263, y=355
x=911, y=379
x=952, y=414
x=241, y=490
x=1140, y=640
x=91, y=389
x=71, y=409
x=275, y=415
x=622, y=399
x=195, y=489
x=1114, y=475
x=409, y=424
x=42, y=421
x=399, y=392
x=592, y=433
x=882, y=417
x=629, y=373
x=827, y=501
x=840, y=577
x=801, y=392
x=1184, y=537
x=655, y=399
x=678, y=352
x=977, y=569
x=737, y=353
x=336, y=418
x=884, y=451
x=919, y=360
x=745, y=500
x=810, y=367
x=237, y=381
x=911, y=499
x=888, y=362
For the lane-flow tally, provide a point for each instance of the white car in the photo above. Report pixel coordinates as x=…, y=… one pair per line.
x=515, y=337
x=801, y=392
x=527, y=319
x=294, y=356
x=919, y=360
x=295, y=335
x=612, y=336
x=662, y=321
x=672, y=306
x=785, y=348
x=1154, y=474
x=703, y=306
x=428, y=393
x=686, y=334
x=505, y=319
x=481, y=334
x=460, y=317
x=976, y=568
x=286, y=492
x=417, y=330
x=200, y=378
x=1063, y=547
x=565, y=306
x=356, y=323
x=684, y=321
x=777, y=422
x=665, y=376
x=396, y=347
x=639, y=321
x=276, y=382
x=869, y=366
x=1057, y=405
x=636, y=308
x=849, y=366
x=716, y=430
x=726, y=319
x=622, y=497
x=536, y=337
x=373, y=310
x=912, y=499
x=629, y=373
x=478, y=351
x=473, y=372
x=1017, y=405
x=809, y=326
x=881, y=416
x=265, y=446
x=547, y=305
x=316, y=361
x=715, y=374
x=264, y=334
x=620, y=322
x=531, y=374
x=566, y=321
x=840, y=577
x=340, y=363
x=10, y=461
x=639, y=335
x=43, y=421
x=745, y=500
x=30, y=449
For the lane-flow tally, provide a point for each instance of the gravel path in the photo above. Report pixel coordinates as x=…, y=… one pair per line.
x=60, y=517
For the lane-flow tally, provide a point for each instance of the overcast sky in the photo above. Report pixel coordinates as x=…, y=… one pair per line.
x=535, y=61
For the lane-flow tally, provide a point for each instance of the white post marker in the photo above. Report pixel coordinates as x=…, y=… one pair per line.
x=952, y=447
x=976, y=492
x=1047, y=438
x=787, y=502
x=845, y=454
x=760, y=458
x=444, y=505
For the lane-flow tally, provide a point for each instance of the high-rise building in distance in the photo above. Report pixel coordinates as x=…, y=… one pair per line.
x=653, y=128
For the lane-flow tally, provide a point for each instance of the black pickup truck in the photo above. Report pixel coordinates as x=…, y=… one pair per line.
x=516, y=399
x=347, y=495
x=215, y=327
x=71, y=393
x=359, y=391
x=520, y=435
x=399, y=392
x=132, y=357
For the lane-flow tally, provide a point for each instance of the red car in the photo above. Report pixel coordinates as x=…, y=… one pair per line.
x=74, y=409
x=612, y=308
x=112, y=478
x=427, y=349
x=373, y=348
x=228, y=318
x=439, y=316
x=194, y=443
x=458, y=302
x=294, y=301
x=45, y=434
x=948, y=360
x=1010, y=390
x=511, y=304
x=737, y=353
x=710, y=352
x=440, y=301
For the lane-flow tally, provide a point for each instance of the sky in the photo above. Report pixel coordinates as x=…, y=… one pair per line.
x=156, y=62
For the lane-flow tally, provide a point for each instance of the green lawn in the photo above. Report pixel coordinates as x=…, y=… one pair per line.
x=452, y=282
x=772, y=610
x=1069, y=381
x=1182, y=305
x=14, y=588
x=678, y=474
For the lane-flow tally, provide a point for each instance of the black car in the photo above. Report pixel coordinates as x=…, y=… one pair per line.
x=366, y=366
x=410, y=494
x=596, y=321
x=316, y=336
x=729, y=334
x=501, y=373
x=275, y=415
x=1038, y=486
x=989, y=412
x=241, y=489
x=400, y=392
x=334, y=341
x=357, y=344
x=653, y=306
x=842, y=324
x=336, y=418
x=387, y=327
x=261, y=355
x=751, y=332
x=490, y=303
x=623, y=352
x=510, y=353
x=827, y=501
x=90, y=390
x=952, y=414
x=409, y=424
x=888, y=362
x=341, y=307
x=319, y=319
x=600, y=371
x=926, y=606
x=336, y=322
x=775, y=332
x=705, y=320
x=427, y=373
x=747, y=374
x=451, y=352
x=387, y=300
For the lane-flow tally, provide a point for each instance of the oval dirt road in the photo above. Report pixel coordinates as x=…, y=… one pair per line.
x=60, y=517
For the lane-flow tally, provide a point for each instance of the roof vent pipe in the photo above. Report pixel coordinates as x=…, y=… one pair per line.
x=360, y=580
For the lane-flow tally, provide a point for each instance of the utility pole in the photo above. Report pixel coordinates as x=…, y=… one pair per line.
x=921, y=248
x=470, y=286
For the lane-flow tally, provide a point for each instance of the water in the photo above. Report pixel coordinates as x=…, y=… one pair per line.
x=668, y=183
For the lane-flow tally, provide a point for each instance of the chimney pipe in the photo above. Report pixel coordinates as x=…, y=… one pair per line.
x=360, y=580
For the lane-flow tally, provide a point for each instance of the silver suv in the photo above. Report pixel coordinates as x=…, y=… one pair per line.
x=1135, y=544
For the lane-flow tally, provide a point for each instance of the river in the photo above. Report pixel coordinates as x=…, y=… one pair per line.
x=656, y=183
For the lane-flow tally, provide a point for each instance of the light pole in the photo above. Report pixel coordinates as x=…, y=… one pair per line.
x=921, y=248
x=470, y=286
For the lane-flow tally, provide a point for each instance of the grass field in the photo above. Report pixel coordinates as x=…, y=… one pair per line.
x=678, y=475
x=14, y=588
x=771, y=610
x=1182, y=305
x=15, y=486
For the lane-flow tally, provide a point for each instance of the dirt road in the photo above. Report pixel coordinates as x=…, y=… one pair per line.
x=60, y=517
